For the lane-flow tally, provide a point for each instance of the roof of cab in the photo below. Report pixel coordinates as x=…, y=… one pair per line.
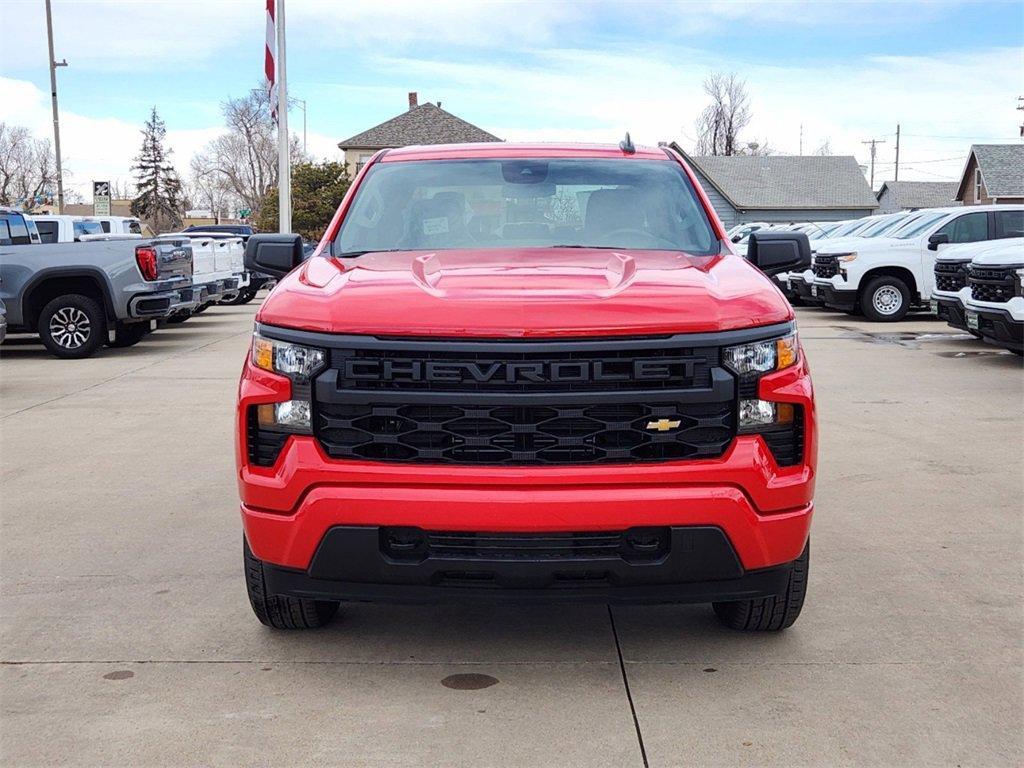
x=506, y=149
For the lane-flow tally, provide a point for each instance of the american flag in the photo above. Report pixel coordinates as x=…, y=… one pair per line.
x=269, y=60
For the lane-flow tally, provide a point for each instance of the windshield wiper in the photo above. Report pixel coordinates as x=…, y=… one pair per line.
x=354, y=254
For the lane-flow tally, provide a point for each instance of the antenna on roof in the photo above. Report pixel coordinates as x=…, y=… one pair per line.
x=626, y=145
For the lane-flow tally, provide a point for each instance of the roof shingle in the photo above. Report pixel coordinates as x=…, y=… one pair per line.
x=920, y=194
x=424, y=124
x=1002, y=168
x=788, y=181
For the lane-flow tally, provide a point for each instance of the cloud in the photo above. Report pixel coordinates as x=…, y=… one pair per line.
x=93, y=148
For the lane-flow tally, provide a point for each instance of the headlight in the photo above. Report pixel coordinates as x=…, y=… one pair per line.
x=756, y=358
x=844, y=258
x=760, y=415
x=295, y=361
x=1019, y=282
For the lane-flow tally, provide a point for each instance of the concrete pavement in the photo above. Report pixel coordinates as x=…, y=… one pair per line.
x=126, y=637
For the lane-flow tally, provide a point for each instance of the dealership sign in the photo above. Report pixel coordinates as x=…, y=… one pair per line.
x=101, y=198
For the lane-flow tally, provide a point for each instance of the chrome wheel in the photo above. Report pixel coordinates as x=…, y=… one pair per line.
x=887, y=300
x=70, y=327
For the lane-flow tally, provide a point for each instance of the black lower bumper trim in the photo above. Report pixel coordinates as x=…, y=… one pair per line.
x=998, y=327
x=952, y=311
x=699, y=565
x=831, y=297
x=803, y=292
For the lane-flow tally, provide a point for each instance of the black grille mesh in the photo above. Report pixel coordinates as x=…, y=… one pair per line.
x=264, y=446
x=516, y=434
x=787, y=444
x=991, y=283
x=826, y=266
x=951, y=275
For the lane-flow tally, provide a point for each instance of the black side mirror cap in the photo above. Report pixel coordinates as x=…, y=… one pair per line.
x=777, y=252
x=275, y=255
x=737, y=238
x=939, y=238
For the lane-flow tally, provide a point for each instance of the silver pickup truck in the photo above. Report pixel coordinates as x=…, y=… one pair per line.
x=79, y=296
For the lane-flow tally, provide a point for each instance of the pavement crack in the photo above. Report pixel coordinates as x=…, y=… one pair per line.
x=629, y=694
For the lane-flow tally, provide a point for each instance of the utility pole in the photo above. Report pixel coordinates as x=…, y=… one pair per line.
x=284, y=166
x=56, y=119
x=897, y=176
x=873, y=143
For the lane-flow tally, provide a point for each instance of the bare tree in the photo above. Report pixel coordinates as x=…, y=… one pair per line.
x=208, y=188
x=721, y=121
x=28, y=169
x=245, y=157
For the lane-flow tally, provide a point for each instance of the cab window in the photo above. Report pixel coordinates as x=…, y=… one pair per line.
x=18, y=230
x=47, y=231
x=971, y=228
x=1009, y=224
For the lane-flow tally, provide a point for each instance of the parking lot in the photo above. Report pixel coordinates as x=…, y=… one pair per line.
x=127, y=638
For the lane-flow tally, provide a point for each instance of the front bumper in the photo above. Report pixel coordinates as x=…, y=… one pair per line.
x=803, y=291
x=998, y=326
x=835, y=298
x=951, y=310
x=695, y=564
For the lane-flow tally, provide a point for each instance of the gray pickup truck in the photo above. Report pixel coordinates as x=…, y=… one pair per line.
x=79, y=296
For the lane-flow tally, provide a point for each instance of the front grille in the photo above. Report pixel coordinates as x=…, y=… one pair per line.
x=951, y=275
x=993, y=284
x=826, y=266
x=577, y=433
x=264, y=446
x=635, y=544
x=668, y=367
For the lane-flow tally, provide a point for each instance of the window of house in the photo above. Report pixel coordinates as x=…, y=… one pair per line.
x=971, y=228
x=977, y=185
x=362, y=159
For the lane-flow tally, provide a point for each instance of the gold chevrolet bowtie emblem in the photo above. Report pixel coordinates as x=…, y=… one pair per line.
x=663, y=425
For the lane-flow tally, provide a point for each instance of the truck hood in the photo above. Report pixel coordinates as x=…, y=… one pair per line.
x=862, y=244
x=528, y=292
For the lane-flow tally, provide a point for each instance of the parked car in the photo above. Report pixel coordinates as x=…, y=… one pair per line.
x=212, y=274
x=995, y=307
x=3, y=321
x=886, y=277
x=16, y=228
x=231, y=256
x=78, y=296
x=952, y=266
x=800, y=285
x=239, y=230
x=120, y=225
x=55, y=228
x=537, y=401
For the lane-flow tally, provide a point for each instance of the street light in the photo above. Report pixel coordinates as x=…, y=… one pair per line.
x=293, y=100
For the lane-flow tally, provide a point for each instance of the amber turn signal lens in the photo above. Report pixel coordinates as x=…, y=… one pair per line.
x=783, y=413
x=263, y=353
x=785, y=352
x=265, y=416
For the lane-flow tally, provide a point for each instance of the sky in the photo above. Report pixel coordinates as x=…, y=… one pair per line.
x=949, y=73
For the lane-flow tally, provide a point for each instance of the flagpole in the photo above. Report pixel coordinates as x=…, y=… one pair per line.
x=284, y=169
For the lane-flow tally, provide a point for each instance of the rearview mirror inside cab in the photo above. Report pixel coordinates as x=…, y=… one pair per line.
x=776, y=252
x=939, y=238
x=275, y=255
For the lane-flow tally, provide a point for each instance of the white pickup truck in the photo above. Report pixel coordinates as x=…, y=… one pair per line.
x=995, y=307
x=218, y=270
x=952, y=267
x=120, y=225
x=886, y=277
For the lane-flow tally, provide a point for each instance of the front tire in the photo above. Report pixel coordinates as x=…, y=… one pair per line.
x=885, y=299
x=282, y=611
x=244, y=297
x=72, y=327
x=770, y=614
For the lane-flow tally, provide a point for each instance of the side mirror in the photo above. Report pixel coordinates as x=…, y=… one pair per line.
x=939, y=238
x=777, y=252
x=737, y=238
x=275, y=255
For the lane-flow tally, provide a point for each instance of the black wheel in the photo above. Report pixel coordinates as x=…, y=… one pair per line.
x=281, y=611
x=129, y=334
x=72, y=326
x=885, y=299
x=770, y=614
x=244, y=297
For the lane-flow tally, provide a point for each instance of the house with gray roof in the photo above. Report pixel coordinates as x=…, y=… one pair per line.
x=783, y=188
x=895, y=196
x=421, y=124
x=994, y=173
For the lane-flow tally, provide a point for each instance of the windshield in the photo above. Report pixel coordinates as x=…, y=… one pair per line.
x=849, y=228
x=886, y=224
x=917, y=226
x=87, y=228
x=529, y=203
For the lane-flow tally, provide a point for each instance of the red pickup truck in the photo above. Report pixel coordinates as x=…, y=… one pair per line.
x=526, y=372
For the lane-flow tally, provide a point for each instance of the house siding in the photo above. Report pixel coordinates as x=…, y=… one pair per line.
x=969, y=191
x=887, y=202
x=729, y=215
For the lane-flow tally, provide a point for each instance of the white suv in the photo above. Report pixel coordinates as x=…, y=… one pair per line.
x=887, y=276
x=995, y=308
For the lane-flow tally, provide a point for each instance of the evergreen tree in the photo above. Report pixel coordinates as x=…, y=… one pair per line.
x=157, y=186
x=317, y=191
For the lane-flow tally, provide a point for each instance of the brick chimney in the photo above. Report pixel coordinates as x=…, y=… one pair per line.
x=413, y=100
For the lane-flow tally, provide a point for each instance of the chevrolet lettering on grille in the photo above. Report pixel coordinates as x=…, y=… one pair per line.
x=455, y=372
